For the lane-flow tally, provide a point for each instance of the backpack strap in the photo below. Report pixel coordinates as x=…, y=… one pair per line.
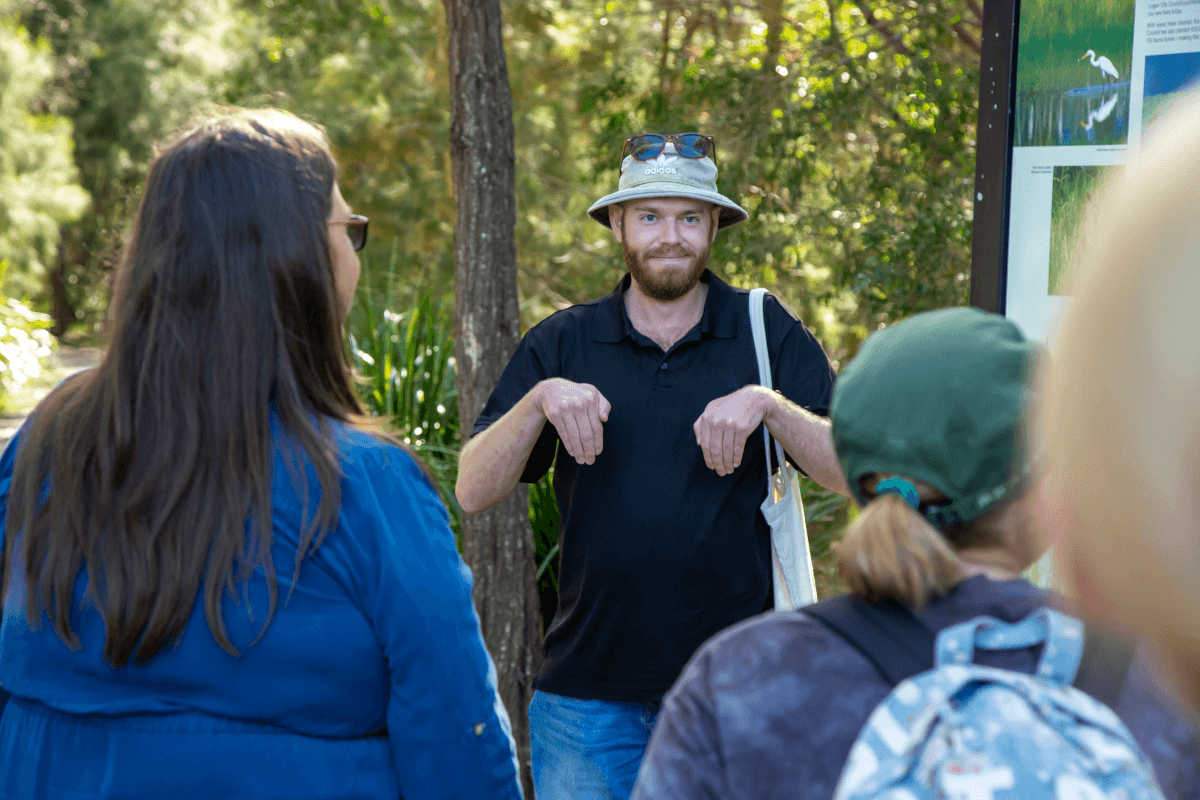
x=1104, y=665
x=896, y=643
x=899, y=646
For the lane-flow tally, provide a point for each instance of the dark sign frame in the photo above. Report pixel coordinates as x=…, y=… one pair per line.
x=993, y=154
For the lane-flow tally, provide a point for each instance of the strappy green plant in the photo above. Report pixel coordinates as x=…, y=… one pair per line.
x=405, y=362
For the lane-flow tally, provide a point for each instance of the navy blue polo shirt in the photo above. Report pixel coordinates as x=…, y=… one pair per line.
x=658, y=551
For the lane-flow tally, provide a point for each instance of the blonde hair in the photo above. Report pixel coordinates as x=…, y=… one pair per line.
x=892, y=553
x=1121, y=417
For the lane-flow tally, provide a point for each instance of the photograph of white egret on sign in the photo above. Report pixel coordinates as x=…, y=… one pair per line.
x=1073, y=62
x=1073, y=189
x=1168, y=77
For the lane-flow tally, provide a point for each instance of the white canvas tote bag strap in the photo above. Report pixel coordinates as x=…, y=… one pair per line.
x=759, y=330
x=791, y=563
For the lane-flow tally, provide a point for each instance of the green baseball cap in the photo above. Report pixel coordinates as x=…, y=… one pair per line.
x=940, y=397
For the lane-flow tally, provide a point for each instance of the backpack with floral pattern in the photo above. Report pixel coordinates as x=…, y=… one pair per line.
x=962, y=731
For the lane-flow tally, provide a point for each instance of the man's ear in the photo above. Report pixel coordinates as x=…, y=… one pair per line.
x=716, y=221
x=616, y=216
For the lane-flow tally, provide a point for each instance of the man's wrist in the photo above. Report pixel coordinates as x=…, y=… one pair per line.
x=769, y=402
x=537, y=396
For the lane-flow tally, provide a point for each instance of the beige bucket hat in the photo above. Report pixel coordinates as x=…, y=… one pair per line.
x=669, y=175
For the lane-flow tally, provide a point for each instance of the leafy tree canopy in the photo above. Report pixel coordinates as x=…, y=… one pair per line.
x=126, y=74
x=846, y=128
x=38, y=179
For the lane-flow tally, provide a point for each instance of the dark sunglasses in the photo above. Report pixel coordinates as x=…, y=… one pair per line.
x=356, y=229
x=646, y=146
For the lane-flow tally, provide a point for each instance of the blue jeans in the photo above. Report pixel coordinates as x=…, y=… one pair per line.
x=587, y=749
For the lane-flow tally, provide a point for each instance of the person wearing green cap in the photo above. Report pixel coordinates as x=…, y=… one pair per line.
x=928, y=424
x=649, y=397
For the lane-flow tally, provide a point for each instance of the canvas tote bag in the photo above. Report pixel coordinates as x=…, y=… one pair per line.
x=791, y=563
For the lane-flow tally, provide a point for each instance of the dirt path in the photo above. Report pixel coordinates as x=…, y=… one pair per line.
x=67, y=361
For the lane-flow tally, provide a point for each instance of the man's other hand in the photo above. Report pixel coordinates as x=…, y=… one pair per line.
x=577, y=411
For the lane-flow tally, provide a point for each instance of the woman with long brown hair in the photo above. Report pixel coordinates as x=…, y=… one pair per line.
x=218, y=581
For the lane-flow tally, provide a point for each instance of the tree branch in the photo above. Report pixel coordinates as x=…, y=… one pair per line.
x=890, y=38
x=966, y=38
x=663, y=75
x=693, y=25
x=772, y=14
x=834, y=35
x=977, y=10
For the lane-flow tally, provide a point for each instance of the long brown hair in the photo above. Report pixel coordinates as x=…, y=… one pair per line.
x=146, y=469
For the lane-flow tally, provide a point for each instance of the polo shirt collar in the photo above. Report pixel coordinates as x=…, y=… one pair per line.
x=719, y=320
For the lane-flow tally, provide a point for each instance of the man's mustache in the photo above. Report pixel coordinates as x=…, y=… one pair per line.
x=668, y=252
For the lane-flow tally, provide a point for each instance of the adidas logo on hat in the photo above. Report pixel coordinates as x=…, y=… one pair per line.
x=661, y=165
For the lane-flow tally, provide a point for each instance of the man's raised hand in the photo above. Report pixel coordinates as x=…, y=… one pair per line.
x=722, y=430
x=577, y=411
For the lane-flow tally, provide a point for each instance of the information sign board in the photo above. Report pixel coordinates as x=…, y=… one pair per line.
x=1069, y=88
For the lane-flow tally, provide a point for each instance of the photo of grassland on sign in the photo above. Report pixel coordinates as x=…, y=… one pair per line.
x=1074, y=188
x=1073, y=62
x=1168, y=77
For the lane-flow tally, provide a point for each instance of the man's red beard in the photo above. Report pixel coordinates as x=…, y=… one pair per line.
x=667, y=284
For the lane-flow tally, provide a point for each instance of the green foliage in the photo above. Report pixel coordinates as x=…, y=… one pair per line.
x=127, y=73
x=846, y=128
x=38, y=179
x=545, y=520
x=825, y=515
x=849, y=138
x=374, y=75
x=406, y=361
x=25, y=344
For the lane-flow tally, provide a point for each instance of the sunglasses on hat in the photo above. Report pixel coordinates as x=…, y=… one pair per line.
x=356, y=229
x=645, y=146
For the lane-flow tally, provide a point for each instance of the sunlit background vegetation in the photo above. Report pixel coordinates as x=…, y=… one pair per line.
x=846, y=128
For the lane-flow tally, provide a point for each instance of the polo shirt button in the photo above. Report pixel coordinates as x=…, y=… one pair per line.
x=663, y=366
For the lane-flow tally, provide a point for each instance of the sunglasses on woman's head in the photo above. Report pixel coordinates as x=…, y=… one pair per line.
x=356, y=229
x=646, y=146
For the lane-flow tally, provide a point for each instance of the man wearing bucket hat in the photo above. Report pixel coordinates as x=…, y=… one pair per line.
x=652, y=393
x=928, y=422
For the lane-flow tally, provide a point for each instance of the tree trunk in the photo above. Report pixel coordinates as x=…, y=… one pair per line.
x=61, y=310
x=497, y=543
x=772, y=14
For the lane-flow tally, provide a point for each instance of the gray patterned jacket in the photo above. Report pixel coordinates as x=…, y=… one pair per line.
x=770, y=707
